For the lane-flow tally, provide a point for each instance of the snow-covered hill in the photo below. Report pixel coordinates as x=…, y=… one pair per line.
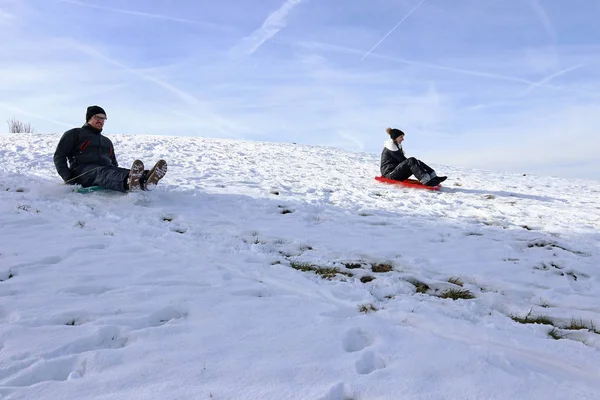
x=269, y=271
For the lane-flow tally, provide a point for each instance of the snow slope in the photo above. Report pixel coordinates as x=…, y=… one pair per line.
x=206, y=287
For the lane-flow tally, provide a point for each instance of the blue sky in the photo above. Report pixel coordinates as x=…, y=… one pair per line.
x=507, y=85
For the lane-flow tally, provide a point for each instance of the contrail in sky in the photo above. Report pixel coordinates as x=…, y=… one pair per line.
x=394, y=28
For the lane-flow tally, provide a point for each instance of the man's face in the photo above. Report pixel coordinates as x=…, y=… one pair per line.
x=97, y=121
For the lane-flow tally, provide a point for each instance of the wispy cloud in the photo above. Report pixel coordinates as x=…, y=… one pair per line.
x=18, y=110
x=220, y=123
x=276, y=21
x=147, y=15
x=543, y=16
x=394, y=28
x=547, y=79
x=462, y=71
x=349, y=50
x=5, y=15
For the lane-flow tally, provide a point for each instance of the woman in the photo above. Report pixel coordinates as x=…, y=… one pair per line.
x=395, y=165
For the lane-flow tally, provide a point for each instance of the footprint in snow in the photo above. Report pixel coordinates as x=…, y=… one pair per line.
x=340, y=391
x=59, y=369
x=368, y=363
x=87, y=290
x=356, y=340
x=154, y=320
x=93, y=246
x=46, y=261
x=165, y=315
x=63, y=363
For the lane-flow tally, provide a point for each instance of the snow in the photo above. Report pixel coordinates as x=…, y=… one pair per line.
x=188, y=291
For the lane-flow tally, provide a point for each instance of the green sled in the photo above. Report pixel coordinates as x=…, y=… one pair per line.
x=88, y=189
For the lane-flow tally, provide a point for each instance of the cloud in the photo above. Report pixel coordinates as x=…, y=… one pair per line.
x=548, y=137
x=148, y=15
x=276, y=21
x=550, y=77
x=349, y=50
x=219, y=122
x=394, y=28
x=17, y=110
x=540, y=11
x=5, y=15
x=462, y=71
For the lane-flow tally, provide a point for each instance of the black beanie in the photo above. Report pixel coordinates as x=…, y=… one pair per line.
x=93, y=110
x=394, y=133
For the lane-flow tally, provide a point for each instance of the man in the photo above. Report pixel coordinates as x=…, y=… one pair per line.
x=92, y=161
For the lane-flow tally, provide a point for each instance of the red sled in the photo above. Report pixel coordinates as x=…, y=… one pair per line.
x=411, y=183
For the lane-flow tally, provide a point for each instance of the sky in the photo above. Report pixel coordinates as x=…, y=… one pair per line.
x=508, y=85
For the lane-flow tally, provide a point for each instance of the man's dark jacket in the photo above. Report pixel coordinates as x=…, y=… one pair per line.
x=81, y=147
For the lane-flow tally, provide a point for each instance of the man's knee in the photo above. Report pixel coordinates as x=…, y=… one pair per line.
x=412, y=160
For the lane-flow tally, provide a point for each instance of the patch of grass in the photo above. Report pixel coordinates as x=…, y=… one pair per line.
x=457, y=184
x=302, y=266
x=325, y=272
x=367, y=308
x=275, y=262
x=305, y=248
x=330, y=272
x=550, y=245
x=576, y=325
x=456, y=281
x=474, y=234
x=366, y=279
x=572, y=275
x=420, y=286
x=364, y=214
x=80, y=224
x=71, y=322
x=352, y=265
x=180, y=230
x=279, y=241
x=275, y=192
x=380, y=268
x=545, y=304
x=167, y=219
x=286, y=211
x=20, y=190
x=489, y=197
x=456, y=294
x=255, y=240
x=525, y=227
x=555, y=334
x=23, y=207
x=529, y=319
